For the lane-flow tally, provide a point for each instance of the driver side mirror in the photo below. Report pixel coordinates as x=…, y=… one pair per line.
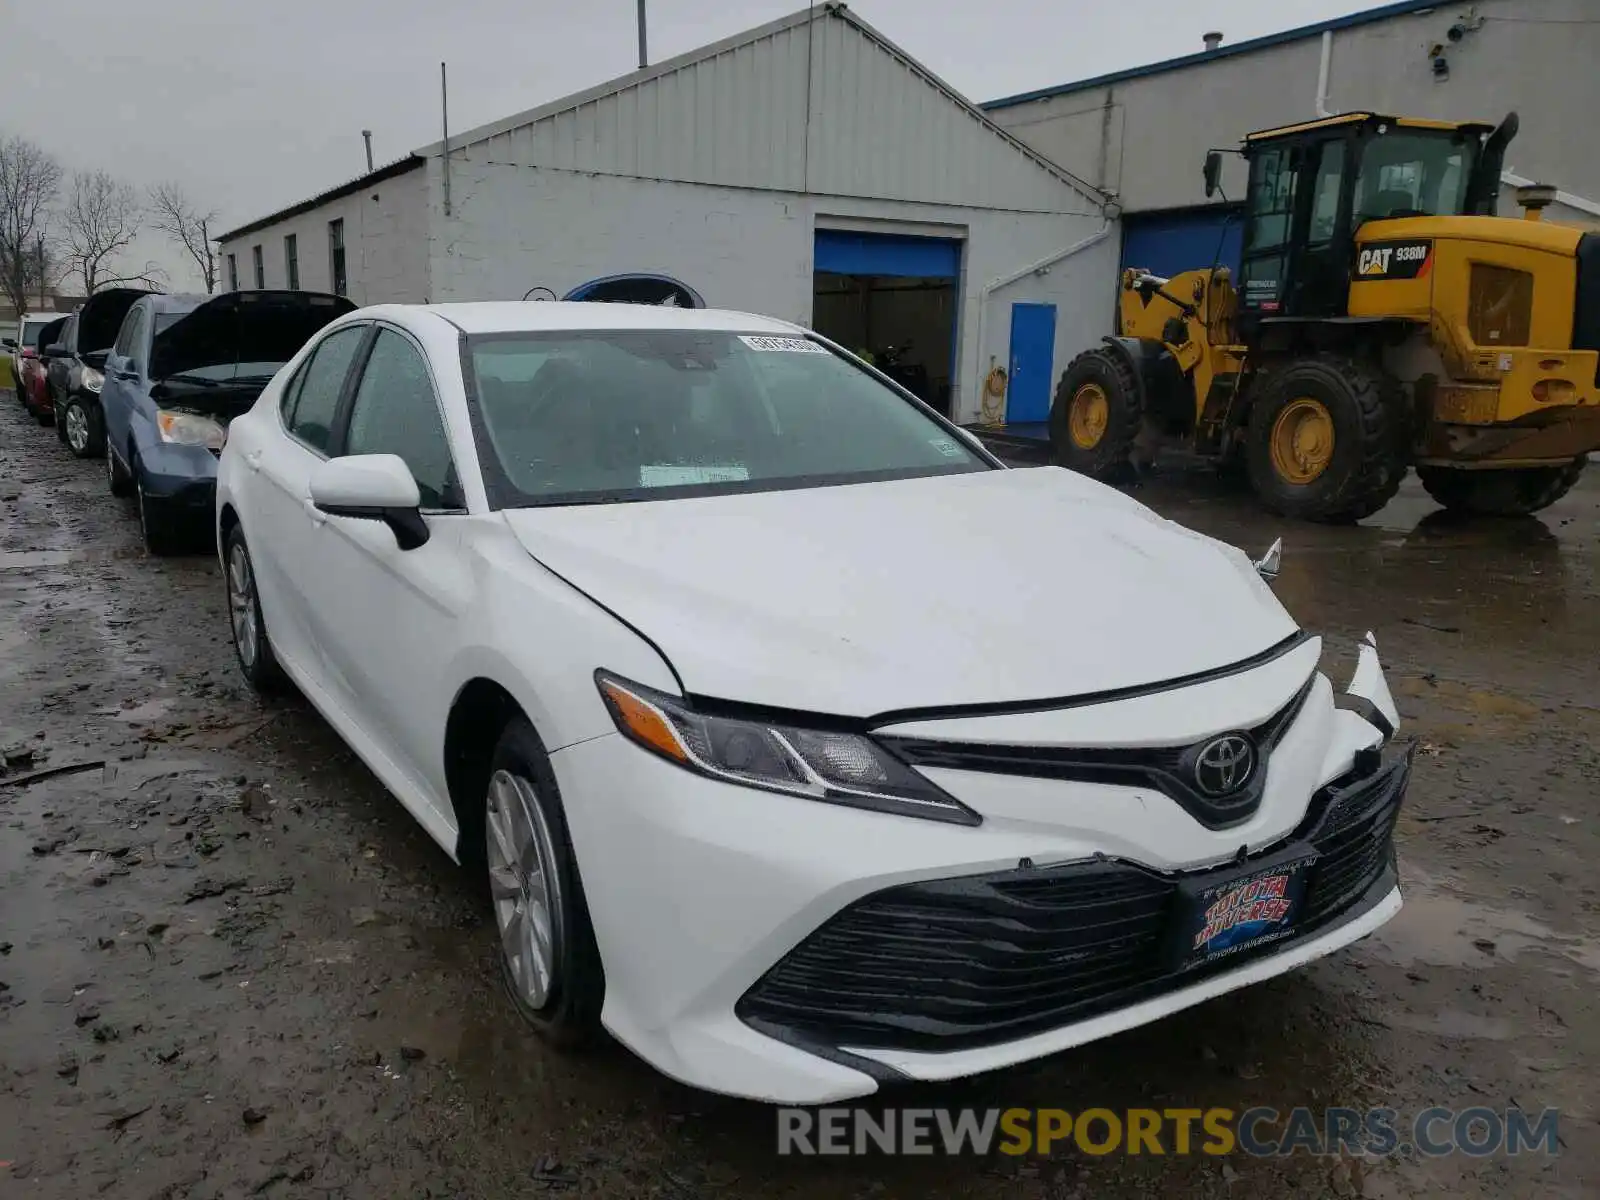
x=9, y=343
x=372, y=487
x=1213, y=172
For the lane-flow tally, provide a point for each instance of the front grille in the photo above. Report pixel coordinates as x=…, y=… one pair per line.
x=1167, y=769
x=951, y=964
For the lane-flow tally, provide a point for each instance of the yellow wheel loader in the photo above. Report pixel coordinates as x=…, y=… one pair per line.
x=1383, y=317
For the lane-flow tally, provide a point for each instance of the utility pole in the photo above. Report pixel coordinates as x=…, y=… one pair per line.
x=444, y=109
x=644, y=54
x=366, y=136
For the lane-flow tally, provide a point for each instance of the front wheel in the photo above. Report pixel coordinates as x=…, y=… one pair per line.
x=61, y=427
x=79, y=426
x=1326, y=439
x=118, y=481
x=547, y=949
x=257, y=662
x=1509, y=492
x=1097, y=414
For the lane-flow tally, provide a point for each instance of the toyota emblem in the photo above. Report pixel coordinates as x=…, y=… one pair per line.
x=1225, y=764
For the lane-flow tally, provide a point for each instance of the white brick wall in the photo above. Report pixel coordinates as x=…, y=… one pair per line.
x=385, y=237
x=515, y=228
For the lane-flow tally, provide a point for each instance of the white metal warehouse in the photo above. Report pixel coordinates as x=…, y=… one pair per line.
x=808, y=169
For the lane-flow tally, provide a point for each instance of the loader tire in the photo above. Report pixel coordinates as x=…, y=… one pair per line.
x=1513, y=492
x=1097, y=414
x=1327, y=439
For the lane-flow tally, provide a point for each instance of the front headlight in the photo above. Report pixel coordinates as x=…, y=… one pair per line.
x=91, y=380
x=190, y=429
x=818, y=764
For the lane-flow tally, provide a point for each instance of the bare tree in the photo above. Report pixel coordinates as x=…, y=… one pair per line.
x=102, y=217
x=29, y=181
x=172, y=212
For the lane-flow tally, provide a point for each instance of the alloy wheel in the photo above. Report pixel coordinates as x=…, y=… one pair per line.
x=524, y=887
x=242, y=605
x=77, y=428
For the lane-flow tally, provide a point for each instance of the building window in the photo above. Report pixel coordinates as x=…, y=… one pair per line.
x=291, y=261
x=233, y=272
x=260, y=265
x=336, y=257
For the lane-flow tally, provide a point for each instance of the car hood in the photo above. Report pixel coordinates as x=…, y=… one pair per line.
x=243, y=327
x=101, y=317
x=987, y=588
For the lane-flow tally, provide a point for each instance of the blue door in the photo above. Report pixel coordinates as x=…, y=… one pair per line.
x=1033, y=357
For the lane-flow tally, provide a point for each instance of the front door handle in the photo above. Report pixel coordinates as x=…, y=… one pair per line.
x=318, y=517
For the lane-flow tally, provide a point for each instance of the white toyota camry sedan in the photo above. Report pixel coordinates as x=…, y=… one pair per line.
x=797, y=742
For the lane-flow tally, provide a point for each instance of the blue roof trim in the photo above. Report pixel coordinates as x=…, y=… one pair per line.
x=1350, y=21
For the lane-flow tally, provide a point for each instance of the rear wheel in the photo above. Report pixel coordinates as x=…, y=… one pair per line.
x=1511, y=492
x=1097, y=414
x=547, y=951
x=1326, y=440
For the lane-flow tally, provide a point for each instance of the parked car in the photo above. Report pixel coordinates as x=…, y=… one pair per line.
x=34, y=388
x=23, y=343
x=681, y=627
x=181, y=368
x=76, y=366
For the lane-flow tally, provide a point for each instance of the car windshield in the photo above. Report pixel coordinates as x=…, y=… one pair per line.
x=575, y=418
x=1410, y=173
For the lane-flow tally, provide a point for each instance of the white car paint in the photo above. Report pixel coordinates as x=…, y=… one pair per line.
x=851, y=601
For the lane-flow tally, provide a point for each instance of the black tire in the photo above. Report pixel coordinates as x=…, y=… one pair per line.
x=251, y=643
x=569, y=1015
x=45, y=416
x=1368, y=459
x=164, y=533
x=118, y=482
x=1511, y=492
x=61, y=430
x=1106, y=457
x=93, y=435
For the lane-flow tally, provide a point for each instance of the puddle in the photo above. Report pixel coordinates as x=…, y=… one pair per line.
x=1457, y=1026
x=21, y=559
x=1442, y=930
x=148, y=711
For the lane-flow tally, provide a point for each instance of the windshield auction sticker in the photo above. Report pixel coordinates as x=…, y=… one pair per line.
x=781, y=345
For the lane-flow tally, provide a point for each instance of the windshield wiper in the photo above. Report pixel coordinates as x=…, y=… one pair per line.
x=185, y=377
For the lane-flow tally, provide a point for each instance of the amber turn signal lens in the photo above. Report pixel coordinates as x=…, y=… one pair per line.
x=641, y=721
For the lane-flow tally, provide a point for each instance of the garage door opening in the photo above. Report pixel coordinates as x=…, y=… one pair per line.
x=892, y=300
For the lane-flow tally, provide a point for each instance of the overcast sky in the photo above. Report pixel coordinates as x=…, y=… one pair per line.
x=253, y=106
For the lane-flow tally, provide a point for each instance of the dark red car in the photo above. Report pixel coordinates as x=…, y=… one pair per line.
x=34, y=384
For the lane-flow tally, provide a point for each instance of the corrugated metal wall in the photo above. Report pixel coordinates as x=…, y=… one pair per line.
x=876, y=127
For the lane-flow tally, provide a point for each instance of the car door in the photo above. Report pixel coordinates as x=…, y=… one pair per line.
x=58, y=371
x=279, y=521
x=393, y=615
x=123, y=382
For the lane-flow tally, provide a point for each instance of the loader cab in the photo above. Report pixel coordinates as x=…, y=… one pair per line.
x=1313, y=185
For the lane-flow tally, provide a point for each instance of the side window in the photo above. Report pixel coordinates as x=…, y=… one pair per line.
x=1271, y=199
x=396, y=412
x=319, y=385
x=126, y=332
x=130, y=342
x=1325, y=192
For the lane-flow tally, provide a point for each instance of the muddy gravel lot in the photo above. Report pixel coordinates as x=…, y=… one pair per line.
x=230, y=965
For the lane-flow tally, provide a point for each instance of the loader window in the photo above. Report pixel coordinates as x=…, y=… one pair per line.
x=1325, y=193
x=1407, y=173
x=1271, y=200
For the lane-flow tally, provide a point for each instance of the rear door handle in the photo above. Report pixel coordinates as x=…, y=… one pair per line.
x=253, y=460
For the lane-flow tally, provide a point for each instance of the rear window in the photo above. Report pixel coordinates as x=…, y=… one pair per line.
x=32, y=329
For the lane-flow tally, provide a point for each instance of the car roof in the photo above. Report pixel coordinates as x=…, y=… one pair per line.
x=555, y=316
